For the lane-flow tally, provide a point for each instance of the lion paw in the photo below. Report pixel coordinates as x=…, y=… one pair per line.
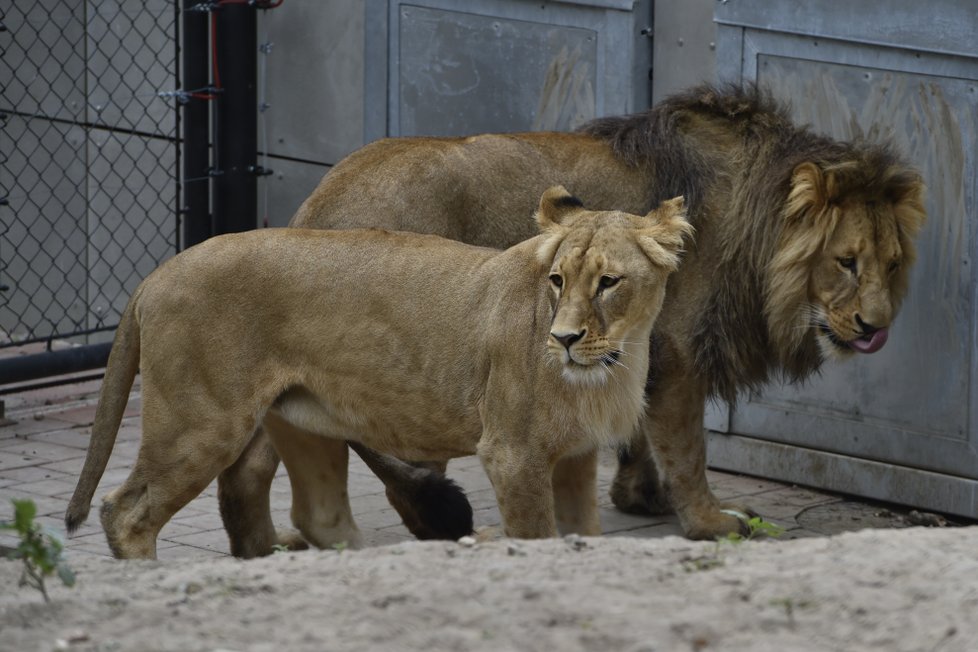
x=639, y=496
x=717, y=525
x=291, y=540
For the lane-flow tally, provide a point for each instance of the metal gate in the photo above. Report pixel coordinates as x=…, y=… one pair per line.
x=901, y=425
x=89, y=164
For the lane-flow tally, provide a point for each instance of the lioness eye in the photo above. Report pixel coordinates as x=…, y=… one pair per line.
x=848, y=262
x=608, y=281
x=556, y=280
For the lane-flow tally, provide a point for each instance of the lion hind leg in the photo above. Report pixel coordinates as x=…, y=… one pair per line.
x=636, y=488
x=179, y=456
x=243, y=493
x=133, y=514
x=576, y=496
x=317, y=467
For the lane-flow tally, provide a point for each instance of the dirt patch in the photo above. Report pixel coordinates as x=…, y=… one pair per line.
x=911, y=589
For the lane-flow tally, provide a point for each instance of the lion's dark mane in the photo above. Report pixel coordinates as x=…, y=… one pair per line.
x=732, y=151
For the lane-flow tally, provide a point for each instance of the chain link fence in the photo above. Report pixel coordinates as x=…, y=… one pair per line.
x=89, y=161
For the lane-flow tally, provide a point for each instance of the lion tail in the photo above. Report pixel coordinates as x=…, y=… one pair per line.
x=120, y=372
x=431, y=505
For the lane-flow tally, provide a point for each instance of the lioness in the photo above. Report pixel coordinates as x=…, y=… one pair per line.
x=803, y=250
x=409, y=344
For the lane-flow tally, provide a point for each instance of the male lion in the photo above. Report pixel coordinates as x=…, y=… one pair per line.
x=803, y=250
x=410, y=344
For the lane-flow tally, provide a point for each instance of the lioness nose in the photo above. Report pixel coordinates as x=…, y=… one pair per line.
x=568, y=339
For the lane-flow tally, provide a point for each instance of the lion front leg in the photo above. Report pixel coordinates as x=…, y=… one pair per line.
x=522, y=482
x=673, y=426
x=575, y=481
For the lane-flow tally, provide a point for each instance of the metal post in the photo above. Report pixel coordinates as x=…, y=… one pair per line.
x=236, y=117
x=196, y=127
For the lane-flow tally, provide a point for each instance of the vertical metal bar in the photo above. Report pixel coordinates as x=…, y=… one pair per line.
x=236, y=187
x=196, y=127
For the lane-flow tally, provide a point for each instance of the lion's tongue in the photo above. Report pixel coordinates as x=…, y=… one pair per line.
x=871, y=344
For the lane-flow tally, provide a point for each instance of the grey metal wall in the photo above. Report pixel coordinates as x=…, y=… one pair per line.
x=343, y=74
x=684, y=45
x=902, y=424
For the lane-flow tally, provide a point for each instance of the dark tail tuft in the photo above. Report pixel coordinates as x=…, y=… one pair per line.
x=440, y=509
x=431, y=505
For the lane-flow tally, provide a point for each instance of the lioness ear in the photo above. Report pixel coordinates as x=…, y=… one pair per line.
x=663, y=241
x=555, y=204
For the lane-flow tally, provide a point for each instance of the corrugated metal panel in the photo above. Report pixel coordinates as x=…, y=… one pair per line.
x=508, y=65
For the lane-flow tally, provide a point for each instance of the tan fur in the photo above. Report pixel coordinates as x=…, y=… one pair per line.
x=411, y=345
x=775, y=206
x=769, y=201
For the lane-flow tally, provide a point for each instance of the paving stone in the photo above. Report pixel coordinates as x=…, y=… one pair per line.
x=32, y=473
x=487, y=517
x=656, y=531
x=797, y=496
x=614, y=521
x=55, y=486
x=30, y=426
x=799, y=533
x=186, y=553
x=370, y=503
x=377, y=520
x=175, y=529
x=373, y=538
x=74, y=437
x=216, y=540
x=740, y=485
x=46, y=505
x=482, y=498
x=43, y=450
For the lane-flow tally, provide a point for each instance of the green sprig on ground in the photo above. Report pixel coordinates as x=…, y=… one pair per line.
x=40, y=549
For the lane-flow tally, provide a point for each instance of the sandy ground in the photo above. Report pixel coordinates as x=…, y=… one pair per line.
x=913, y=589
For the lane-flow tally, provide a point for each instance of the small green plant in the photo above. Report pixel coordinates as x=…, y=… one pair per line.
x=756, y=527
x=40, y=549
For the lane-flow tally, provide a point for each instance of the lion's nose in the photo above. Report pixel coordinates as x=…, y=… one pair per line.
x=868, y=329
x=568, y=339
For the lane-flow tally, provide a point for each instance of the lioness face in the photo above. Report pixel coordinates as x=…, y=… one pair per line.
x=858, y=281
x=607, y=282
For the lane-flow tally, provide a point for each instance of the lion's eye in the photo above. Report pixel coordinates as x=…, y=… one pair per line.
x=894, y=266
x=848, y=262
x=608, y=281
x=556, y=280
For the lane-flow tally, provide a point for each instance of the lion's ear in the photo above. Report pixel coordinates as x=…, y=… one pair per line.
x=906, y=191
x=663, y=241
x=811, y=188
x=555, y=204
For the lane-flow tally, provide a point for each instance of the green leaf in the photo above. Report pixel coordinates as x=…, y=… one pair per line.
x=24, y=513
x=53, y=536
x=66, y=574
